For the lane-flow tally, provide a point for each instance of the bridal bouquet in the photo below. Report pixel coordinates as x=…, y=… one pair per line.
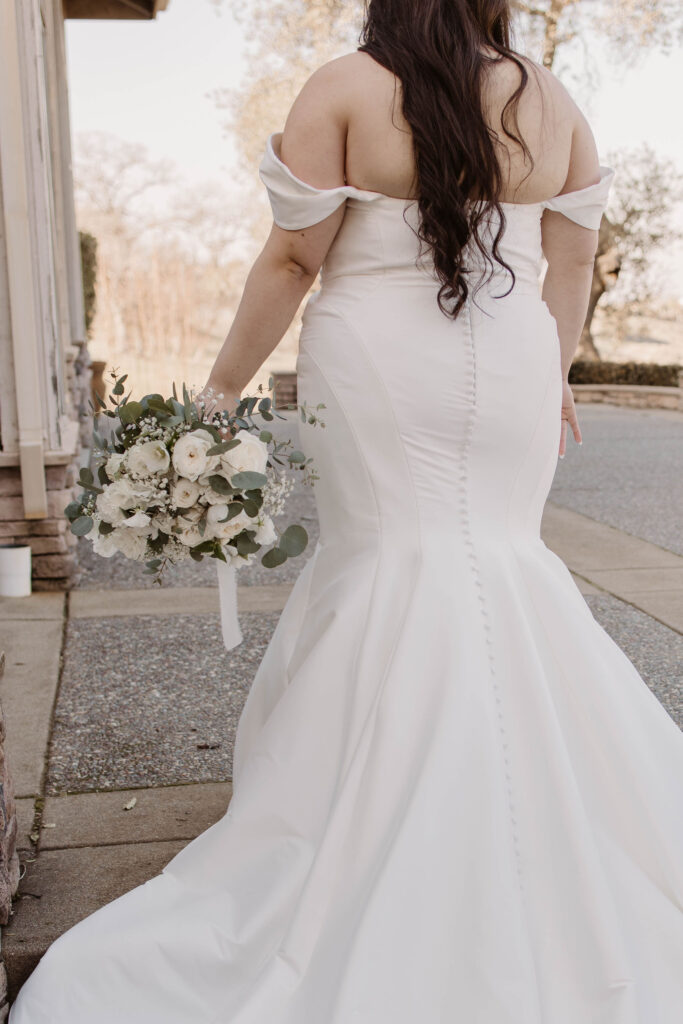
x=175, y=482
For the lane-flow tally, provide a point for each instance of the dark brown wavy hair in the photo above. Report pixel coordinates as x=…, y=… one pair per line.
x=434, y=47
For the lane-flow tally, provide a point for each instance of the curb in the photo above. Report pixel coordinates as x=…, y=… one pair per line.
x=635, y=396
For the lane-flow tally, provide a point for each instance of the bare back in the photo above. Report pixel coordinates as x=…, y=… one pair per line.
x=379, y=154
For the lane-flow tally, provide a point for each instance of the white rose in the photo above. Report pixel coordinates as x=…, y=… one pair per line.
x=190, y=536
x=148, y=457
x=184, y=493
x=249, y=456
x=229, y=529
x=189, y=454
x=104, y=544
x=139, y=519
x=265, y=531
x=113, y=464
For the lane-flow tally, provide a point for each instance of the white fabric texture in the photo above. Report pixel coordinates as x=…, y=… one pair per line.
x=455, y=799
x=227, y=598
x=586, y=205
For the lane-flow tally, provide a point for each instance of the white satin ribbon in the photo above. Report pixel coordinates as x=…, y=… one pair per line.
x=227, y=596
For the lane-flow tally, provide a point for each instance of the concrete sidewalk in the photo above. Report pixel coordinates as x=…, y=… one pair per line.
x=120, y=734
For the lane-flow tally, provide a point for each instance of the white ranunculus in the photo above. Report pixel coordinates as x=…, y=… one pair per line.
x=265, y=531
x=105, y=545
x=115, y=497
x=113, y=464
x=189, y=454
x=184, y=493
x=148, y=457
x=130, y=543
x=249, y=456
x=164, y=522
x=138, y=519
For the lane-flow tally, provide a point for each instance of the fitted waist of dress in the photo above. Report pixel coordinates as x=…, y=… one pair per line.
x=526, y=280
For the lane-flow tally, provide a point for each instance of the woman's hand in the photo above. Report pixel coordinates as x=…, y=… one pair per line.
x=217, y=400
x=568, y=418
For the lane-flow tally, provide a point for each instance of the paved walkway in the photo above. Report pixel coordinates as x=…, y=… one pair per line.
x=121, y=702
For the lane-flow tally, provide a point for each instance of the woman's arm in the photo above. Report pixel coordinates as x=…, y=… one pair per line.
x=313, y=146
x=570, y=248
x=570, y=251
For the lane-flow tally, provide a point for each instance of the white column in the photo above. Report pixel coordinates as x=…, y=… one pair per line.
x=23, y=294
x=58, y=94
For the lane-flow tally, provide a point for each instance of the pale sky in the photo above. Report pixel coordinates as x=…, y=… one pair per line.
x=149, y=82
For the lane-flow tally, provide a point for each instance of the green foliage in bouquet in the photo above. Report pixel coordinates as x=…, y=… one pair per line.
x=167, y=488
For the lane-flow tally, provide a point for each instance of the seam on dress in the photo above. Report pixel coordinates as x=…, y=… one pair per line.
x=465, y=515
x=280, y=951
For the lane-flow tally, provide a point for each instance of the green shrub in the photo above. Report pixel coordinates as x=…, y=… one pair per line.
x=89, y=268
x=653, y=374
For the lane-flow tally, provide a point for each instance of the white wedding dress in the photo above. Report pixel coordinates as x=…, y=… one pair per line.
x=455, y=800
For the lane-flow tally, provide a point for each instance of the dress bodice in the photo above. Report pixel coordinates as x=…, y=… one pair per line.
x=378, y=234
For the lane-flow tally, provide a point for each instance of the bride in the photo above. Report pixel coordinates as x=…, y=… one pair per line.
x=455, y=800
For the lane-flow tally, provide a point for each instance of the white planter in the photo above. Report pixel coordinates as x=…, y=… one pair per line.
x=15, y=570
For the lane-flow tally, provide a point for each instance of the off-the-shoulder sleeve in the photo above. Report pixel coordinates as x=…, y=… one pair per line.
x=295, y=203
x=585, y=206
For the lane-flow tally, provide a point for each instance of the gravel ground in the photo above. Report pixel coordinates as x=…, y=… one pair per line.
x=655, y=650
x=628, y=473
x=140, y=696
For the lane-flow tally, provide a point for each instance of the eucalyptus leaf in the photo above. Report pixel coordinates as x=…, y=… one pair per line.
x=244, y=544
x=273, y=558
x=130, y=412
x=248, y=479
x=220, y=485
x=294, y=540
x=82, y=525
x=234, y=509
x=224, y=446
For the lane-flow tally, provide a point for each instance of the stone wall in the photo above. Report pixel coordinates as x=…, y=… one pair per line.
x=635, y=396
x=53, y=546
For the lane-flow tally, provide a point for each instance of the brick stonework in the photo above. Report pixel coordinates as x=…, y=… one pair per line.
x=53, y=546
x=285, y=389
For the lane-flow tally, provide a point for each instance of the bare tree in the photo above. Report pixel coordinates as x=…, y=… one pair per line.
x=170, y=266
